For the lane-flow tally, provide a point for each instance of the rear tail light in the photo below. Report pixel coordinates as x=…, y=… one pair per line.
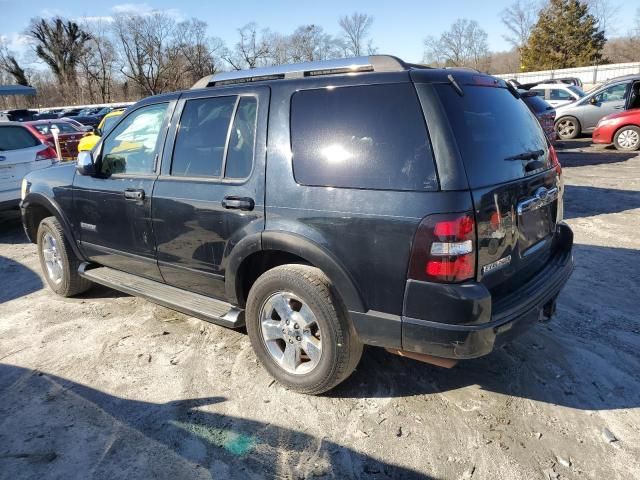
x=444, y=249
x=46, y=154
x=553, y=155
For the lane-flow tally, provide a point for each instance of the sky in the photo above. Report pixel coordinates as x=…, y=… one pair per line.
x=399, y=27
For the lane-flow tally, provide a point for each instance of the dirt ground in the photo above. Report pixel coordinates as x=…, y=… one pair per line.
x=110, y=386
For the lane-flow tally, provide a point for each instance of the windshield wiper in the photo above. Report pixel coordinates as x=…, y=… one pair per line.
x=532, y=155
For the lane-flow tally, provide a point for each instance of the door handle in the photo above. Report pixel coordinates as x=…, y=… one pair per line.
x=238, y=203
x=134, y=194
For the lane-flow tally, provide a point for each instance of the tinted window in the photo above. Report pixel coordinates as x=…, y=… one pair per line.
x=539, y=93
x=536, y=103
x=611, y=94
x=362, y=137
x=202, y=135
x=491, y=126
x=242, y=140
x=65, y=127
x=15, y=138
x=131, y=146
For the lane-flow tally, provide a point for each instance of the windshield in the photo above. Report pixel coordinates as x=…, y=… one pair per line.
x=577, y=90
x=493, y=129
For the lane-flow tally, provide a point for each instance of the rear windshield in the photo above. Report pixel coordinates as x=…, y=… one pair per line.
x=492, y=127
x=536, y=104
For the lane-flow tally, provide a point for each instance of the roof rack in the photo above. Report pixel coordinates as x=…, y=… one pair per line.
x=371, y=63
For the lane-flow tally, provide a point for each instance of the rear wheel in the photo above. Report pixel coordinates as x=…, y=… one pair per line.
x=568, y=128
x=59, y=263
x=299, y=329
x=627, y=138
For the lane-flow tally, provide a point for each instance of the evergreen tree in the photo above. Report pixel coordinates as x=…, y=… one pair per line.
x=566, y=35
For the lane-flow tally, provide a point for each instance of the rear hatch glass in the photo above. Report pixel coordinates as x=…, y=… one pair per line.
x=514, y=189
x=490, y=126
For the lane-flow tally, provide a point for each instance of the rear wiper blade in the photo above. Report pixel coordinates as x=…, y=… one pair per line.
x=532, y=155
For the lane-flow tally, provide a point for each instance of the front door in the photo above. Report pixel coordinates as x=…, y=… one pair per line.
x=609, y=100
x=210, y=193
x=113, y=208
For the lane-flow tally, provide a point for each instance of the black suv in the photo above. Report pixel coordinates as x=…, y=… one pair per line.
x=323, y=205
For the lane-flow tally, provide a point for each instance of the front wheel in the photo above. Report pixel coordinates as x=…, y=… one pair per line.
x=568, y=128
x=299, y=329
x=59, y=263
x=627, y=138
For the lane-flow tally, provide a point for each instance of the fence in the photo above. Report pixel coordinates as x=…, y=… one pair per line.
x=589, y=75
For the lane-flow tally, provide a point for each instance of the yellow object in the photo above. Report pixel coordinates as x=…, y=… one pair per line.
x=89, y=141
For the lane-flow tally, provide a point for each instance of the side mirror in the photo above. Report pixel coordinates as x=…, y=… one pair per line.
x=85, y=165
x=97, y=131
x=593, y=100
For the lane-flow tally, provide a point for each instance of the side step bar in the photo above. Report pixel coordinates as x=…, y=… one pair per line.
x=196, y=305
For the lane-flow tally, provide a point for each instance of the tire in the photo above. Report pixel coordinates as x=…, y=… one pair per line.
x=59, y=263
x=570, y=126
x=311, y=309
x=627, y=139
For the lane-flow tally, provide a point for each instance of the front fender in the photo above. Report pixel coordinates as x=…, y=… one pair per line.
x=35, y=202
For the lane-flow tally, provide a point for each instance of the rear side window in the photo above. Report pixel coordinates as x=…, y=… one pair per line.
x=16, y=138
x=559, y=94
x=491, y=127
x=371, y=137
x=211, y=128
x=536, y=104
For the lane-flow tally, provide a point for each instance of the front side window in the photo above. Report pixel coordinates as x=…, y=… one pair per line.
x=371, y=137
x=612, y=94
x=131, y=147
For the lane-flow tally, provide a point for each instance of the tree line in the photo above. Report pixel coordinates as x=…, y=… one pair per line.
x=133, y=56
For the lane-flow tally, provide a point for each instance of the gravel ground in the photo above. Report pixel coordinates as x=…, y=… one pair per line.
x=111, y=386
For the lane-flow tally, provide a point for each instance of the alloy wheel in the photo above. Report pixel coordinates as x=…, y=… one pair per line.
x=629, y=139
x=291, y=333
x=566, y=128
x=52, y=259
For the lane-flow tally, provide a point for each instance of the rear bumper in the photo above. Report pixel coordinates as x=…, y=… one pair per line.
x=470, y=323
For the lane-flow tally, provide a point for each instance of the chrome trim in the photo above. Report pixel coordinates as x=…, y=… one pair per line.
x=541, y=197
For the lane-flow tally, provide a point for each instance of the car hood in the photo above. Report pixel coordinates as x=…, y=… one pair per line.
x=634, y=112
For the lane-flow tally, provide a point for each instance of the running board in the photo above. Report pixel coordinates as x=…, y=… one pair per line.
x=194, y=304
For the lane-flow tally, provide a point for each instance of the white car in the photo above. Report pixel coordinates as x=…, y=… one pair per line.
x=556, y=94
x=20, y=153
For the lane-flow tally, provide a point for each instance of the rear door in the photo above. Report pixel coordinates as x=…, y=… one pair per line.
x=18, y=151
x=514, y=186
x=210, y=193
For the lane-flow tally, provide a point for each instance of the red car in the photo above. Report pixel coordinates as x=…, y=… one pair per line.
x=69, y=135
x=622, y=129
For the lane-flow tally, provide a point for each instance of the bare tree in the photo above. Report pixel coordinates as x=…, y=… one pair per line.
x=60, y=44
x=201, y=53
x=252, y=49
x=9, y=63
x=97, y=63
x=605, y=12
x=355, y=30
x=519, y=18
x=463, y=45
x=144, y=41
x=309, y=43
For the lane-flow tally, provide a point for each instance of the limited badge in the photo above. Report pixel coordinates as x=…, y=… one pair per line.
x=490, y=267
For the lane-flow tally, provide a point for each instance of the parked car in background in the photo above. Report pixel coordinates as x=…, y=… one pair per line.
x=622, y=129
x=21, y=152
x=89, y=121
x=69, y=135
x=544, y=112
x=89, y=141
x=558, y=94
x=371, y=233
x=20, y=115
x=583, y=115
x=69, y=112
x=556, y=81
x=84, y=128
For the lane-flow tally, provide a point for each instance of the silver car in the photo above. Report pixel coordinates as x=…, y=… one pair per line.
x=583, y=115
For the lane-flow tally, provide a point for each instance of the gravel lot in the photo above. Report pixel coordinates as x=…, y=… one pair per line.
x=111, y=386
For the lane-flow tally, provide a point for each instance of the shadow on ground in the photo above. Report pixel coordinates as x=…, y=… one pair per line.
x=51, y=427
x=17, y=280
x=585, y=201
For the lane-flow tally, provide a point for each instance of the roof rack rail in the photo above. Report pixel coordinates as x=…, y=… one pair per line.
x=371, y=63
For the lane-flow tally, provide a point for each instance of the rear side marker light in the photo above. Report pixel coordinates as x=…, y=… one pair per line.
x=443, y=249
